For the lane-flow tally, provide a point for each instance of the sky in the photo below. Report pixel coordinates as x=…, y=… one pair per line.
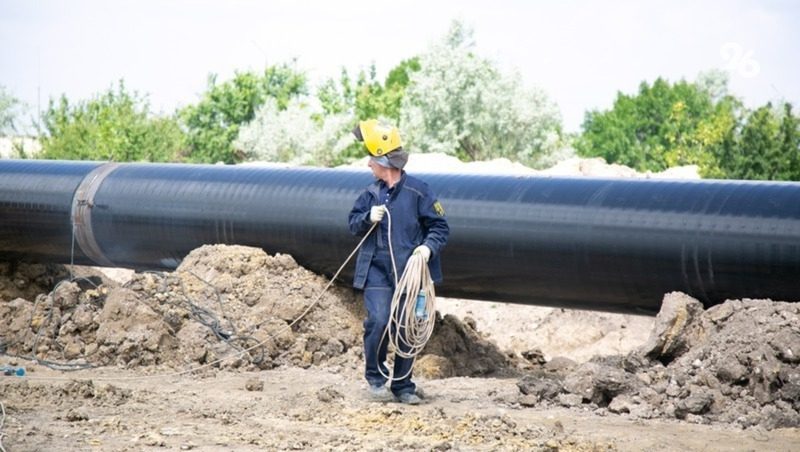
x=581, y=53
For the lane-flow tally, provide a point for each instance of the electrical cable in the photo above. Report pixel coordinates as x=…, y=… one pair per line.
x=232, y=331
x=205, y=316
x=2, y=422
x=45, y=322
x=230, y=336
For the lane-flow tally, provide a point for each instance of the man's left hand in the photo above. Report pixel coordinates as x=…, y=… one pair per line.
x=423, y=251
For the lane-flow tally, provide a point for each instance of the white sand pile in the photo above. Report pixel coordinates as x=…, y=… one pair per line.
x=572, y=167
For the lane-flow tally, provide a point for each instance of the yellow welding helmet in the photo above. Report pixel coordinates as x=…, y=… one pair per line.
x=379, y=139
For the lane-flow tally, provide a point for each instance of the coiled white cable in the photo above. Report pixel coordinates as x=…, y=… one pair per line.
x=409, y=328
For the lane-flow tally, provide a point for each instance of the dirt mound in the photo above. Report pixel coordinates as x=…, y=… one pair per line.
x=22, y=280
x=456, y=349
x=738, y=363
x=225, y=306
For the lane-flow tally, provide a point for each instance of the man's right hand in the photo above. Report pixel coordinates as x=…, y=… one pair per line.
x=376, y=213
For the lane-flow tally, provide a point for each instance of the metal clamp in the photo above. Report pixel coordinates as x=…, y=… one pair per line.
x=82, y=204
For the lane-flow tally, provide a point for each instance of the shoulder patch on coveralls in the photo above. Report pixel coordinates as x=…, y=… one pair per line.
x=437, y=206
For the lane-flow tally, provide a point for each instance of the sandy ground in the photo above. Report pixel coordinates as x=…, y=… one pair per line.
x=318, y=409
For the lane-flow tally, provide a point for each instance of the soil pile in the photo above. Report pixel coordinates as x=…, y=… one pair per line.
x=737, y=363
x=224, y=307
x=21, y=280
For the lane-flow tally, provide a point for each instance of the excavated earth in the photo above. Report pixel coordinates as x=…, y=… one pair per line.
x=212, y=356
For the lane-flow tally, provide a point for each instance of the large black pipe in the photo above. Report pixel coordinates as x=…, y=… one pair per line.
x=604, y=244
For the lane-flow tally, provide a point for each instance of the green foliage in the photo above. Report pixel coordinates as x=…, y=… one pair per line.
x=395, y=86
x=768, y=147
x=461, y=104
x=337, y=97
x=666, y=125
x=369, y=100
x=789, y=139
x=116, y=125
x=8, y=116
x=663, y=125
x=295, y=135
x=365, y=98
x=213, y=124
x=757, y=145
x=376, y=100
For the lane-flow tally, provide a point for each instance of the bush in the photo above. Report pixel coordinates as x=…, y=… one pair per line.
x=115, y=125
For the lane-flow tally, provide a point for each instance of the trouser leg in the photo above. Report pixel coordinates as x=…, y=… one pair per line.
x=403, y=366
x=377, y=301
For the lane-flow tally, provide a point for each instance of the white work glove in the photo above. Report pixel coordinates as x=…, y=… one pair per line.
x=423, y=251
x=376, y=213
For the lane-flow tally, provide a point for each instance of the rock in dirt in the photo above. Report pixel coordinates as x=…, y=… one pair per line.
x=677, y=326
x=542, y=386
x=254, y=384
x=733, y=363
x=328, y=394
x=77, y=414
x=598, y=383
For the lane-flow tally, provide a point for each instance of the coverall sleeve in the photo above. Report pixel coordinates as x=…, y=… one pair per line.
x=432, y=216
x=359, y=215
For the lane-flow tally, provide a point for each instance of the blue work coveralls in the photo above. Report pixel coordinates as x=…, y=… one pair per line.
x=417, y=218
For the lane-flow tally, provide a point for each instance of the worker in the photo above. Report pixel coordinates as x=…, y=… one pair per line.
x=418, y=225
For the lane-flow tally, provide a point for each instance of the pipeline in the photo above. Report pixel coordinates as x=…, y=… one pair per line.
x=604, y=244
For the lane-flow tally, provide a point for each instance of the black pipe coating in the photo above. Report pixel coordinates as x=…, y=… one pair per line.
x=603, y=244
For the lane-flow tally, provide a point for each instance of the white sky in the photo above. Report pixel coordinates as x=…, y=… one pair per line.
x=580, y=52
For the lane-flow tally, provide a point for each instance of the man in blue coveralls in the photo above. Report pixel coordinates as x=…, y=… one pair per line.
x=418, y=226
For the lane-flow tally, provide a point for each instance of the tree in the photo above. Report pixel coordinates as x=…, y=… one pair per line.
x=394, y=88
x=337, y=97
x=213, y=124
x=297, y=135
x=461, y=104
x=375, y=100
x=665, y=125
x=757, y=145
x=789, y=139
x=768, y=146
x=364, y=99
x=367, y=97
x=115, y=125
x=8, y=116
